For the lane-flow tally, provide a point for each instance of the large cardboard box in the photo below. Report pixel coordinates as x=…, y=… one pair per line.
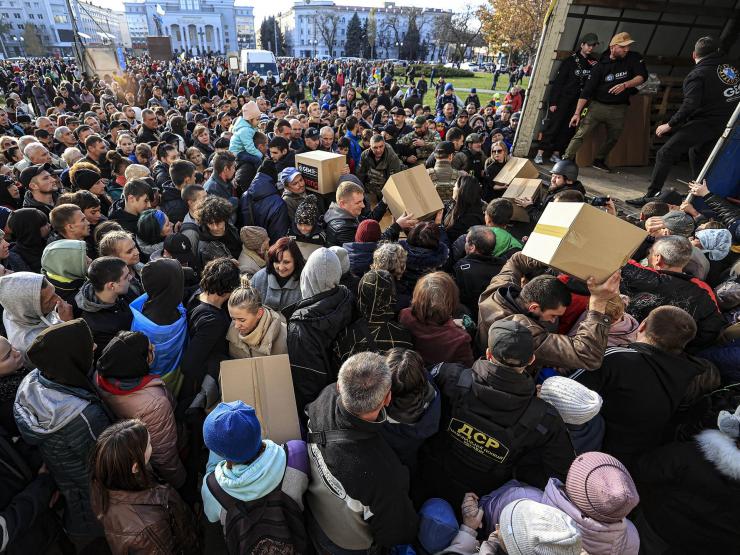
x=320, y=170
x=522, y=188
x=307, y=249
x=412, y=191
x=516, y=167
x=266, y=384
x=583, y=241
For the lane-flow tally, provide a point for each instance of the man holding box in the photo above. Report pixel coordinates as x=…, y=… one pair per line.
x=538, y=305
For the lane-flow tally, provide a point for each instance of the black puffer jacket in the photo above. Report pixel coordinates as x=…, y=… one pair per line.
x=727, y=213
x=172, y=204
x=104, y=320
x=689, y=493
x=313, y=327
x=161, y=174
x=421, y=261
x=681, y=290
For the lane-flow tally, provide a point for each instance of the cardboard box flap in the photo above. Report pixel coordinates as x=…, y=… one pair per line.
x=521, y=187
x=318, y=155
x=266, y=384
x=516, y=167
x=412, y=191
x=582, y=240
x=307, y=248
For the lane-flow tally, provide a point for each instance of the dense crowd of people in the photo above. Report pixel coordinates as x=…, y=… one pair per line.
x=454, y=395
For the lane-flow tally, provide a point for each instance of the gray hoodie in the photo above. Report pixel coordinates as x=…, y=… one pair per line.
x=322, y=272
x=20, y=295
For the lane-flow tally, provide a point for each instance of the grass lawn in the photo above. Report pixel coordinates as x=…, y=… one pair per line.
x=480, y=81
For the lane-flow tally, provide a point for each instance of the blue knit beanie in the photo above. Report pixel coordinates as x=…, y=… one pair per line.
x=233, y=432
x=437, y=525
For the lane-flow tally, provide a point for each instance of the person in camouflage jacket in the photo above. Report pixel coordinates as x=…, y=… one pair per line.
x=421, y=132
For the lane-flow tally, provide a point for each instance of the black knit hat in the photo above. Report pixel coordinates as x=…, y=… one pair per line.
x=84, y=178
x=307, y=211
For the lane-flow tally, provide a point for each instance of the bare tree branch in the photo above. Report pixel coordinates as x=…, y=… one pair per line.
x=328, y=26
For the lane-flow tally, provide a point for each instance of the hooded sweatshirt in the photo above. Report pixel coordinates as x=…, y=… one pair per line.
x=104, y=319
x=64, y=263
x=20, y=295
x=321, y=273
x=57, y=409
x=29, y=244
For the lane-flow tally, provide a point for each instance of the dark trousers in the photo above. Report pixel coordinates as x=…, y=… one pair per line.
x=696, y=137
x=557, y=133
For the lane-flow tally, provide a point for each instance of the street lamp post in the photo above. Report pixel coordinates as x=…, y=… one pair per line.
x=315, y=44
x=399, y=45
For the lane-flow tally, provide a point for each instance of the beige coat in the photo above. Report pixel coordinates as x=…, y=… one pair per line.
x=271, y=341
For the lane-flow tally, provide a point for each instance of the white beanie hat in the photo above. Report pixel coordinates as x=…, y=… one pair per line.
x=531, y=528
x=576, y=403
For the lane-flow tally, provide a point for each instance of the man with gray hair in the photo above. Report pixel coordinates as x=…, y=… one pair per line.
x=326, y=135
x=358, y=494
x=64, y=138
x=665, y=277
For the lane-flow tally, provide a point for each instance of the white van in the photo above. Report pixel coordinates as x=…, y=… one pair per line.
x=260, y=61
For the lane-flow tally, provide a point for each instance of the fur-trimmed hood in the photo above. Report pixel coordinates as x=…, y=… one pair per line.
x=722, y=451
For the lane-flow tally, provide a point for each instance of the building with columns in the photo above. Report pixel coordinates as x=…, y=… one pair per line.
x=194, y=26
x=301, y=27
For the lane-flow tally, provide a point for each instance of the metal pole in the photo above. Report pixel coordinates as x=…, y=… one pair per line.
x=274, y=30
x=77, y=44
x=717, y=147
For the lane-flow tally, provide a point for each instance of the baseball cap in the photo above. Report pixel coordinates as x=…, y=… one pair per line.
x=590, y=38
x=621, y=39
x=311, y=133
x=420, y=121
x=180, y=248
x=397, y=110
x=444, y=148
x=510, y=343
x=449, y=87
x=32, y=171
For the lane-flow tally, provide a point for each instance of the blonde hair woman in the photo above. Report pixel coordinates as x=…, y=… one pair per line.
x=256, y=330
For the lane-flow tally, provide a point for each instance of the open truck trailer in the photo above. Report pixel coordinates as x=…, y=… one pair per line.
x=664, y=33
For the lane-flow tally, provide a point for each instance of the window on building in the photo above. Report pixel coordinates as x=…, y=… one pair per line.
x=60, y=19
x=17, y=15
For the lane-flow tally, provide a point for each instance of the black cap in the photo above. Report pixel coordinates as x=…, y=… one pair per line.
x=420, y=121
x=32, y=171
x=311, y=133
x=510, y=343
x=179, y=247
x=444, y=148
x=119, y=123
x=23, y=118
x=397, y=110
x=278, y=108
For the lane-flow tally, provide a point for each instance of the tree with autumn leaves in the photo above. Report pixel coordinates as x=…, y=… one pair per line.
x=515, y=26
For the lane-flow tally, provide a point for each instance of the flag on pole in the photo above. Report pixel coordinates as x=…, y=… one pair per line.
x=160, y=10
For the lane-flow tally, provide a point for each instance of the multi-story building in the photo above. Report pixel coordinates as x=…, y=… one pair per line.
x=195, y=26
x=50, y=23
x=309, y=26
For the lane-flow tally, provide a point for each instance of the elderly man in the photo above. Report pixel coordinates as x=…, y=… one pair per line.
x=326, y=135
x=361, y=468
x=64, y=139
x=36, y=153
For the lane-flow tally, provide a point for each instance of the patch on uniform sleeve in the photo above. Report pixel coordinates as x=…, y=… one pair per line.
x=478, y=441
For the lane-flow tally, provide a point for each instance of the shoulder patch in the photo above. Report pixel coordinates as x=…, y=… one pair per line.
x=478, y=441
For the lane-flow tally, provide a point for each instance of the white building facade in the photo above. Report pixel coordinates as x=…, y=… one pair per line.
x=52, y=22
x=194, y=26
x=302, y=28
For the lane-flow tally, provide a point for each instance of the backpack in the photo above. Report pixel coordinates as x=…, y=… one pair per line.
x=271, y=525
x=482, y=445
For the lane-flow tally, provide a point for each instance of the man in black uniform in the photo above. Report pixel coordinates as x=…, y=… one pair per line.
x=710, y=93
x=564, y=93
x=607, y=93
x=493, y=426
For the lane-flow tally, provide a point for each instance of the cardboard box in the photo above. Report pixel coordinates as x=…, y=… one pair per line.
x=320, y=170
x=412, y=191
x=522, y=188
x=583, y=241
x=307, y=248
x=516, y=167
x=266, y=384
